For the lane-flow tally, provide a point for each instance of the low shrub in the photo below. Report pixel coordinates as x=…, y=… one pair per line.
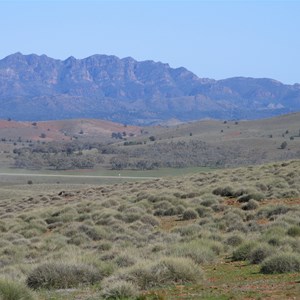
x=54, y=275
x=281, y=263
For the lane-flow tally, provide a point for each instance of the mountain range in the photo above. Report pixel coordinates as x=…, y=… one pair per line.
x=34, y=87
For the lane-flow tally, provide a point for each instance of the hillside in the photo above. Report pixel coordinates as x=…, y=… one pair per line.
x=96, y=144
x=124, y=90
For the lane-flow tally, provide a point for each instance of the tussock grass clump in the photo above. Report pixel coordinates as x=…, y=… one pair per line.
x=203, y=211
x=10, y=290
x=243, y=251
x=149, y=219
x=119, y=289
x=189, y=230
x=60, y=276
x=189, y=214
x=93, y=232
x=125, y=259
x=234, y=240
x=281, y=263
x=252, y=195
x=259, y=253
x=250, y=205
x=168, y=270
x=226, y=191
x=294, y=231
x=200, y=251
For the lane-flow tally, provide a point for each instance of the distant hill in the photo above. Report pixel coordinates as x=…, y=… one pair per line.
x=63, y=130
x=38, y=88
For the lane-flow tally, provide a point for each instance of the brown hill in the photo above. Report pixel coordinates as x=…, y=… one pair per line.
x=62, y=130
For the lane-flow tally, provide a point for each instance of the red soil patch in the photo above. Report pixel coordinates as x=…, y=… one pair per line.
x=233, y=134
x=169, y=222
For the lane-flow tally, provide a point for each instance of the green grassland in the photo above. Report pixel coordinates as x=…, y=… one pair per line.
x=223, y=234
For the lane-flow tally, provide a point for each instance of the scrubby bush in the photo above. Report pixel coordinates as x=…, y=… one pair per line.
x=53, y=275
x=281, y=263
x=10, y=290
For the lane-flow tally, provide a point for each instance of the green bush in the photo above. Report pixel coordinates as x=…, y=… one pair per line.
x=14, y=291
x=281, y=263
x=52, y=275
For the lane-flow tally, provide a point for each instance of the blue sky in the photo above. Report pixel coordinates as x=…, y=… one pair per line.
x=214, y=39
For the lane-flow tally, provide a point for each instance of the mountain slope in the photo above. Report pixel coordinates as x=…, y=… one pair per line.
x=36, y=87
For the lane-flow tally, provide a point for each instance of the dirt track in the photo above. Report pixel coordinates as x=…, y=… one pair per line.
x=76, y=176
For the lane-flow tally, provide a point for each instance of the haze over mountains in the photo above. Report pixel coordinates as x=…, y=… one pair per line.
x=37, y=88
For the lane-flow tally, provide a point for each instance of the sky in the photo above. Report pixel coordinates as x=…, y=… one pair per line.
x=213, y=39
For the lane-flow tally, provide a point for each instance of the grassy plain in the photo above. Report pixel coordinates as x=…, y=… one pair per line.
x=202, y=235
